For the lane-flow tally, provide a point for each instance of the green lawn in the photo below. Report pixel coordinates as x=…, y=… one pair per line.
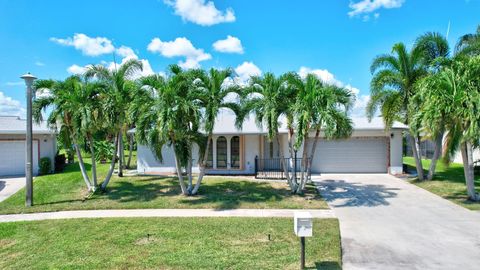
x=448, y=183
x=166, y=243
x=66, y=191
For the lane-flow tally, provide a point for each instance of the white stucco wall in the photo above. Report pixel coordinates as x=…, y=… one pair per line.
x=396, y=152
x=48, y=146
x=458, y=156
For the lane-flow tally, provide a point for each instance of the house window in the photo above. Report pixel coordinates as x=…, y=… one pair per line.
x=235, y=152
x=221, y=152
x=209, y=163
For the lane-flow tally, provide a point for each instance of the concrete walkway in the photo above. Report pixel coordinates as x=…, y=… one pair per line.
x=9, y=186
x=387, y=223
x=265, y=213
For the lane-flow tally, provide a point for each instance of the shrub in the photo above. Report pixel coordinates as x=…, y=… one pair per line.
x=103, y=151
x=60, y=162
x=45, y=165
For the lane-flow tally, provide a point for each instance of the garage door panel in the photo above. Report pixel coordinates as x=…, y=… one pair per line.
x=355, y=155
x=12, y=157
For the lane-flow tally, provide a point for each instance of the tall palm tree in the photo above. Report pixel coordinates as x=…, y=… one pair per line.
x=469, y=44
x=70, y=102
x=392, y=87
x=116, y=101
x=319, y=107
x=170, y=117
x=452, y=98
x=267, y=98
x=212, y=90
x=436, y=52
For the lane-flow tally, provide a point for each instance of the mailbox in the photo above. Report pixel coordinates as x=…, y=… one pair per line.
x=303, y=224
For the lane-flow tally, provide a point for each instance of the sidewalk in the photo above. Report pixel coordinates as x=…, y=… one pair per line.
x=264, y=213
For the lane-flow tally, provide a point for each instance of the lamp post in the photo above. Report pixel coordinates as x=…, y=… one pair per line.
x=28, y=78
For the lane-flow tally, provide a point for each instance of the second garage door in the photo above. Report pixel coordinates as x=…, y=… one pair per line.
x=12, y=157
x=354, y=155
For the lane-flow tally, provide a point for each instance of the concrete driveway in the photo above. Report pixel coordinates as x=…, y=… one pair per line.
x=387, y=223
x=10, y=185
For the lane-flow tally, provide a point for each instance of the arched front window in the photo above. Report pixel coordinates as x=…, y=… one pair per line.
x=235, y=152
x=221, y=152
x=209, y=162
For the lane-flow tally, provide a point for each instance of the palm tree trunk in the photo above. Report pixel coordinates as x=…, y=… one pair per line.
x=82, y=166
x=189, y=175
x=301, y=185
x=467, y=157
x=312, y=151
x=130, y=150
x=94, y=163
x=112, y=164
x=120, y=154
x=291, y=150
x=284, y=163
x=436, y=155
x=203, y=165
x=418, y=160
x=179, y=174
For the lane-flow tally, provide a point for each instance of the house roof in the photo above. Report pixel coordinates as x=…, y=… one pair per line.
x=225, y=124
x=17, y=125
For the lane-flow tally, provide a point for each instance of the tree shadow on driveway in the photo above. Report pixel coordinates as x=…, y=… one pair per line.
x=346, y=194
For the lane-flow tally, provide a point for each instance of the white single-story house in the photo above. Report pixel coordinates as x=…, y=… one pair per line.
x=12, y=145
x=370, y=149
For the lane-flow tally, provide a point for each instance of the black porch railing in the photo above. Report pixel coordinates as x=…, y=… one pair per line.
x=272, y=168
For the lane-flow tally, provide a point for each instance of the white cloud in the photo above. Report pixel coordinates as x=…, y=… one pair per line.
x=40, y=64
x=328, y=78
x=15, y=83
x=322, y=74
x=10, y=107
x=180, y=47
x=245, y=71
x=368, y=6
x=201, y=12
x=229, y=45
x=76, y=69
x=89, y=46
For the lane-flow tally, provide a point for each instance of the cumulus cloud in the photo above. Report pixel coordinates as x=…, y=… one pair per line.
x=368, y=6
x=76, y=69
x=229, y=45
x=10, y=106
x=328, y=78
x=91, y=46
x=180, y=47
x=201, y=12
x=245, y=70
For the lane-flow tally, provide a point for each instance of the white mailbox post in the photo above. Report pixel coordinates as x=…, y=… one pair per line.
x=303, y=227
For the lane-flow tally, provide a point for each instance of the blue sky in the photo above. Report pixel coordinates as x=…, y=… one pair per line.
x=335, y=39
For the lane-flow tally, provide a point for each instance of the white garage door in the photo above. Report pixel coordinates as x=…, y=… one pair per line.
x=12, y=157
x=354, y=155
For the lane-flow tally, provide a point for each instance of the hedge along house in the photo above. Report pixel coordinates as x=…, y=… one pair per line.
x=12, y=145
x=370, y=149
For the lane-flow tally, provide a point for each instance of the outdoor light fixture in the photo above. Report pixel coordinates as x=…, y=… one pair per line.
x=303, y=227
x=391, y=135
x=28, y=78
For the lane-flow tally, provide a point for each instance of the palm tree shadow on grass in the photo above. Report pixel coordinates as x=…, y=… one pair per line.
x=326, y=266
x=346, y=194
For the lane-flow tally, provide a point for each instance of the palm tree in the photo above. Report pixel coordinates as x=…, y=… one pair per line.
x=392, y=87
x=115, y=102
x=69, y=112
x=319, y=107
x=212, y=91
x=170, y=117
x=452, y=98
x=435, y=50
x=469, y=44
x=267, y=98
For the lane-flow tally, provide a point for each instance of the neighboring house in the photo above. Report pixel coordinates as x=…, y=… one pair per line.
x=12, y=145
x=371, y=149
